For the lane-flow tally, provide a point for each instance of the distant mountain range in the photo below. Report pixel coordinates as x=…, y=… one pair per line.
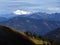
x=41, y=23
x=38, y=15
x=8, y=16
x=45, y=16
x=54, y=35
x=3, y=19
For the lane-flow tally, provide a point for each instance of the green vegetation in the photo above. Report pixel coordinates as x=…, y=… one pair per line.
x=38, y=40
x=10, y=36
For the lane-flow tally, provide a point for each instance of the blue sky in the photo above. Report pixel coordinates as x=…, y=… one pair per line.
x=8, y=6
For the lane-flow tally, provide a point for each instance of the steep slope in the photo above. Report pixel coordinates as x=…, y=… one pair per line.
x=9, y=36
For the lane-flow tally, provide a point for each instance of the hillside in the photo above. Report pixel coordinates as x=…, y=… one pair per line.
x=41, y=23
x=54, y=36
x=10, y=36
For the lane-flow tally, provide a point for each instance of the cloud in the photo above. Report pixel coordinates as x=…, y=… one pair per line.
x=29, y=5
x=54, y=9
x=21, y=12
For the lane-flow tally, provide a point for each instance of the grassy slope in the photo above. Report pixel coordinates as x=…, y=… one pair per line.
x=9, y=36
x=20, y=36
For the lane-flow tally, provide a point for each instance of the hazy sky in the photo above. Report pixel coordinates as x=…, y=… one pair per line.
x=8, y=6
